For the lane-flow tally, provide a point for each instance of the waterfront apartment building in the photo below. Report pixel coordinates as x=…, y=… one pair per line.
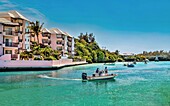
x=61, y=41
x=14, y=33
x=56, y=39
x=45, y=37
x=15, y=37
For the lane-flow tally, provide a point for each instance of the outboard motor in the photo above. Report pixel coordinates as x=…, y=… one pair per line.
x=84, y=76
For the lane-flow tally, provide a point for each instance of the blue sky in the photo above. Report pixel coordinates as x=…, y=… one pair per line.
x=126, y=25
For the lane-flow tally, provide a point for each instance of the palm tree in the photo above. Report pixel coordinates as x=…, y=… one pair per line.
x=36, y=28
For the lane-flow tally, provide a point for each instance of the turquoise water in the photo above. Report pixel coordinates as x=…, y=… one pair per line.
x=143, y=85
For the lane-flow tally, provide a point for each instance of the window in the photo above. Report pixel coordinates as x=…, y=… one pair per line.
x=8, y=51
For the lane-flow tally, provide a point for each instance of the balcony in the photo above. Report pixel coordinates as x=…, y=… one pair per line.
x=49, y=42
x=44, y=35
x=11, y=44
x=20, y=40
x=60, y=38
x=59, y=45
x=46, y=41
x=69, y=44
x=10, y=33
x=69, y=39
x=49, y=37
x=69, y=49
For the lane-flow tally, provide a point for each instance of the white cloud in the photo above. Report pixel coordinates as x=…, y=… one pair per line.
x=30, y=13
x=6, y=5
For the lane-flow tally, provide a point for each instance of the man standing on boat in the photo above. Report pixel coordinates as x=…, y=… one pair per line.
x=97, y=70
x=106, y=71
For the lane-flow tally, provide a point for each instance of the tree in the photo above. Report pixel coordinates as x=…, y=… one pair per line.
x=100, y=56
x=117, y=52
x=36, y=28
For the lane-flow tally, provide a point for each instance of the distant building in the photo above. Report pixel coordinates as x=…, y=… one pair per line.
x=127, y=54
x=61, y=41
x=45, y=37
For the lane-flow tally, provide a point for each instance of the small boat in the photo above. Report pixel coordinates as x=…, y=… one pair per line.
x=146, y=61
x=97, y=77
x=156, y=59
x=124, y=64
x=130, y=65
x=109, y=63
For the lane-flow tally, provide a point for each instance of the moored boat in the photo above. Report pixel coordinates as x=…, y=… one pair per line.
x=109, y=63
x=130, y=65
x=95, y=77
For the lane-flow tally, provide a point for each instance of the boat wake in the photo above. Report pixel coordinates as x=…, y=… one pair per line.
x=47, y=77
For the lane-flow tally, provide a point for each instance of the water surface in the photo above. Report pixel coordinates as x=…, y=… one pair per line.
x=144, y=85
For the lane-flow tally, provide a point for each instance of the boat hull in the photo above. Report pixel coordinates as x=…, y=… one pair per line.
x=107, y=77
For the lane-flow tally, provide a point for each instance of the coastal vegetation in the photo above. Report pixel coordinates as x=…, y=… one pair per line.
x=87, y=48
x=40, y=52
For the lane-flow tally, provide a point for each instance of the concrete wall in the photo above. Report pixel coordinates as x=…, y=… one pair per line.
x=37, y=63
x=5, y=57
x=22, y=63
x=62, y=62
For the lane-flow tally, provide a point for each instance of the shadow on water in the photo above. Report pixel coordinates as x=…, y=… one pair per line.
x=99, y=83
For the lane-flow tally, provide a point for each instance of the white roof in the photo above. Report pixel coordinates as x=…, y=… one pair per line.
x=57, y=31
x=45, y=30
x=67, y=34
x=13, y=14
x=18, y=15
x=128, y=54
x=7, y=22
x=6, y=14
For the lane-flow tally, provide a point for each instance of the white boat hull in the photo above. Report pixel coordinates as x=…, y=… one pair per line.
x=105, y=77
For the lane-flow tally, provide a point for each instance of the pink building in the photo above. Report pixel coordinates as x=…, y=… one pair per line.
x=15, y=37
x=45, y=37
x=61, y=41
x=14, y=34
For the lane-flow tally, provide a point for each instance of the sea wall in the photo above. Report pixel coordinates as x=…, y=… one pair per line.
x=36, y=64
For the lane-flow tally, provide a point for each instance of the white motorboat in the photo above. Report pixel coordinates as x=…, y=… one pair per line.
x=97, y=77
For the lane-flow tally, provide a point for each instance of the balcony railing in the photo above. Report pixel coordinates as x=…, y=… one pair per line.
x=11, y=44
x=45, y=35
x=69, y=43
x=60, y=38
x=49, y=37
x=69, y=39
x=49, y=42
x=10, y=33
x=69, y=49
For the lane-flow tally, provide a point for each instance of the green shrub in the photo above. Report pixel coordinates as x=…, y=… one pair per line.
x=37, y=58
x=50, y=58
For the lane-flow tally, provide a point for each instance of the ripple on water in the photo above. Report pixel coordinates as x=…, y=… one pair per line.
x=129, y=80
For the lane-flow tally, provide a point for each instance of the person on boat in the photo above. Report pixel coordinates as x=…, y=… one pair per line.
x=100, y=73
x=106, y=70
x=97, y=70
